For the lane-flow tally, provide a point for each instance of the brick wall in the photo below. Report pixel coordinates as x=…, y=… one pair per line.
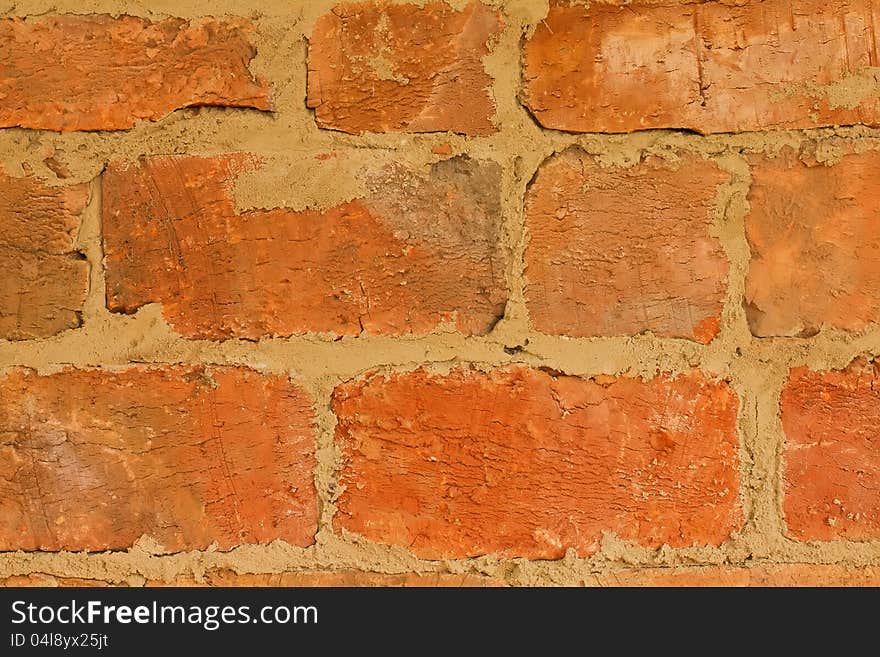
x=391, y=294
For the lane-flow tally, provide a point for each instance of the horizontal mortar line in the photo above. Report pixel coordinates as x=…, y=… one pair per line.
x=16, y=353
x=506, y=139
x=304, y=559
x=293, y=354
x=96, y=6
x=301, y=362
x=843, y=130
x=392, y=142
x=486, y=151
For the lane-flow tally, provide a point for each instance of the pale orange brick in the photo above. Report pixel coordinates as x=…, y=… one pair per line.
x=382, y=67
x=190, y=456
x=71, y=72
x=704, y=66
x=46, y=280
x=831, y=459
x=624, y=250
x=815, y=245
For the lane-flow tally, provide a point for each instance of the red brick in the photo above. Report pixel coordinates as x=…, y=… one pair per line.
x=708, y=66
x=384, y=67
x=798, y=575
x=832, y=452
x=815, y=246
x=623, y=250
x=93, y=460
x=525, y=464
x=346, y=578
x=38, y=227
x=415, y=252
x=102, y=73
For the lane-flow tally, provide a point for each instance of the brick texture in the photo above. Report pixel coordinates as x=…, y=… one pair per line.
x=832, y=452
x=382, y=264
x=413, y=281
x=708, y=67
x=521, y=463
x=45, y=280
x=102, y=73
x=384, y=67
x=812, y=231
x=415, y=253
x=620, y=251
x=191, y=456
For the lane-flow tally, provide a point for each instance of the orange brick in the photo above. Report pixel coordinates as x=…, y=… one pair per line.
x=708, y=66
x=38, y=227
x=832, y=452
x=384, y=67
x=620, y=251
x=103, y=73
x=812, y=231
x=524, y=464
x=93, y=460
x=414, y=253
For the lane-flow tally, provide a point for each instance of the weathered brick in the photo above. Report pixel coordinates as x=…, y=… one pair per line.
x=71, y=72
x=415, y=252
x=623, y=250
x=525, y=464
x=384, y=67
x=706, y=66
x=93, y=460
x=812, y=231
x=45, y=281
x=832, y=452
x=764, y=575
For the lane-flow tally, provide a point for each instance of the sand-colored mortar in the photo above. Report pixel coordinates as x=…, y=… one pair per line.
x=288, y=141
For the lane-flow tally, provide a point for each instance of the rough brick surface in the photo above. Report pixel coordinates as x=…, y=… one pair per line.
x=620, y=251
x=414, y=253
x=765, y=575
x=812, y=230
x=832, y=452
x=93, y=460
x=521, y=463
x=709, y=66
x=402, y=68
x=103, y=73
x=45, y=281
